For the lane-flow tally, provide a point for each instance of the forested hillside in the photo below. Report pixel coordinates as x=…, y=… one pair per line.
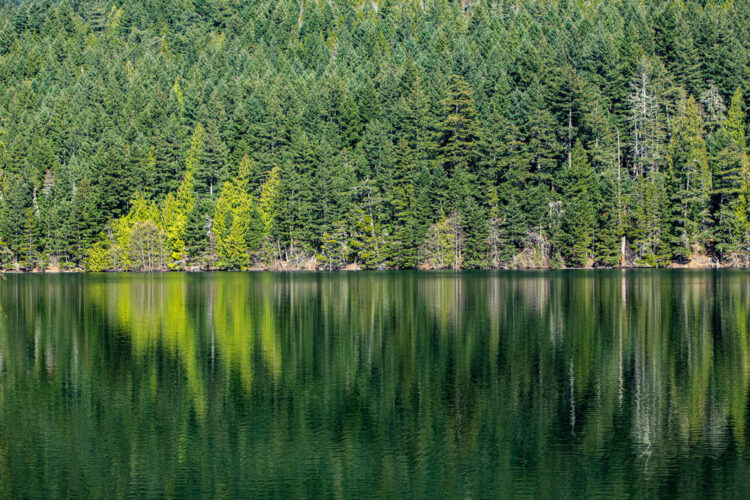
x=228, y=134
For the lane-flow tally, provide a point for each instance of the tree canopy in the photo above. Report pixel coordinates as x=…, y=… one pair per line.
x=385, y=134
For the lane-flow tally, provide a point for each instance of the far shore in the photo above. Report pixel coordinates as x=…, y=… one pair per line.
x=292, y=269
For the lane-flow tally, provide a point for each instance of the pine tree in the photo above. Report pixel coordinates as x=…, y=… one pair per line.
x=84, y=221
x=651, y=224
x=169, y=143
x=685, y=60
x=415, y=151
x=28, y=248
x=230, y=228
x=335, y=250
x=13, y=208
x=199, y=233
x=115, y=183
x=211, y=170
x=364, y=239
x=731, y=170
x=691, y=180
x=608, y=232
x=459, y=154
x=540, y=146
x=255, y=234
x=459, y=132
x=566, y=96
x=177, y=206
x=579, y=218
x=403, y=227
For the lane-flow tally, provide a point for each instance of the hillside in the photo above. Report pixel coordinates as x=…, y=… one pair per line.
x=158, y=134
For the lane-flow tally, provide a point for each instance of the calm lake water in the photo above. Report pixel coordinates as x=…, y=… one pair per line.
x=397, y=384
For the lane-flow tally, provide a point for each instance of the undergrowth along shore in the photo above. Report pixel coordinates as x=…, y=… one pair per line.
x=699, y=262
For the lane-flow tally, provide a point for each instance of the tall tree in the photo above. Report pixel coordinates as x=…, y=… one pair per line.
x=178, y=206
x=691, y=180
x=459, y=154
x=730, y=186
x=579, y=217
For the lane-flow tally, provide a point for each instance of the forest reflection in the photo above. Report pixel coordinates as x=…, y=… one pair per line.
x=408, y=383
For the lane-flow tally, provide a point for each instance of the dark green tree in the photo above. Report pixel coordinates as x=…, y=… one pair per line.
x=578, y=213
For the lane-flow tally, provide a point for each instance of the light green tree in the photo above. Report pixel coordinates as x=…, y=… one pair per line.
x=177, y=206
x=230, y=226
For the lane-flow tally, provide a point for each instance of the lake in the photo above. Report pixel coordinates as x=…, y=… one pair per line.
x=393, y=384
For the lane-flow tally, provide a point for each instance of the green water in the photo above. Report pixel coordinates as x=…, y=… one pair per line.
x=470, y=385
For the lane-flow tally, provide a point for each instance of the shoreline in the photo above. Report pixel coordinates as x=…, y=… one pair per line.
x=698, y=262
x=345, y=270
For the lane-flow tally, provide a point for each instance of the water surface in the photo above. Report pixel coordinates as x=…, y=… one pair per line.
x=392, y=384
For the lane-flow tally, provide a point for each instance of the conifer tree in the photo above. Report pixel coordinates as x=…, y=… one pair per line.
x=459, y=132
x=335, y=250
x=579, y=218
x=211, y=171
x=28, y=247
x=356, y=114
x=364, y=239
x=459, y=155
x=650, y=220
x=199, y=234
x=177, y=206
x=730, y=184
x=115, y=181
x=269, y=210
x=540, y=146
x=230, y=227
x=608, y=231
x=403, y=228
x=691, y=180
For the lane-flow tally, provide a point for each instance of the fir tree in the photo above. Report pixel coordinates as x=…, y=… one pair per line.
x=731, y=171
x=459, y=155
x=691, y=180
x=579, y=218
x=177, y=206
x=357, y=114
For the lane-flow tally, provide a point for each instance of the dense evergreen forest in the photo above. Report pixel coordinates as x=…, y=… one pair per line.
x=228, y=134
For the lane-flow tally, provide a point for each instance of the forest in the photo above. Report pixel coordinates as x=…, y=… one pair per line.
x=378, y=134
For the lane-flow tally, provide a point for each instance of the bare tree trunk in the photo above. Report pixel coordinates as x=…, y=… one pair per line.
x=619, y=202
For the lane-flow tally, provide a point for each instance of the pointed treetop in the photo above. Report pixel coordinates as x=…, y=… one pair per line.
x=196, y=148
x=177, y=90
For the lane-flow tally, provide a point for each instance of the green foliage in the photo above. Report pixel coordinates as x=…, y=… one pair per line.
x=362, y=134
x=365, y=240
x=28, y=248
x=231, y=226
x=731, y=171
x=691, y=181
x=650, y=220
x=98, y=257
x=443, y=244
x=199, y=234
x=578, y=216
x=334, y=251
x=177, y=206
x=139, y=242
